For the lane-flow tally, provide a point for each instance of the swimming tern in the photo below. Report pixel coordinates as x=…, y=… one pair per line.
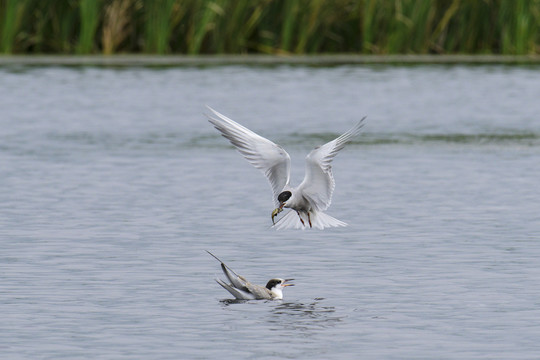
x=242, y=289
x=313, y=196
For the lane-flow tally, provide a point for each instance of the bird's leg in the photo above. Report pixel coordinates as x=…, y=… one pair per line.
x=302, y=221
x=309, y=219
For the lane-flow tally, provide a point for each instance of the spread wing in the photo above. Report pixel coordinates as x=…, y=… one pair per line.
x=236, y=280
x=238, y=286
x=318, y=185
x=262, y=153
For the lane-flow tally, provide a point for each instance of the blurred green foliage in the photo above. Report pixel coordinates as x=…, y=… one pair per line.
x=270, y=26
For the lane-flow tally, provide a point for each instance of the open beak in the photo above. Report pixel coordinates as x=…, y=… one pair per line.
x=284, y=283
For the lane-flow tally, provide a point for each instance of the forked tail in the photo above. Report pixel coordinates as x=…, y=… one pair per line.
x=319, y=220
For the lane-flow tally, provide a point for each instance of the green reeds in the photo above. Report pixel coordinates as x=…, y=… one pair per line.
x=157, y=25
x=63, y=26
x=520, y=24
x=90, y=16
x=270, y=26
x=409, y=27
x=203, y=24
x=11, y=16
x=239, y=31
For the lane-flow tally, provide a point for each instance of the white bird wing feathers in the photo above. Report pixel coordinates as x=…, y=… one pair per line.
x=262, y=153
x=318, y=185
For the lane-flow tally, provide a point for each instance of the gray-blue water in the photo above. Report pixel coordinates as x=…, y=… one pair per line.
x=113, y=184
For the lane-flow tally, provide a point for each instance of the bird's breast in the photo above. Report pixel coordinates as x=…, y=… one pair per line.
x=300, y=204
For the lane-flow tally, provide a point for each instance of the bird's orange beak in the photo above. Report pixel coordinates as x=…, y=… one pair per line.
x=287, y=284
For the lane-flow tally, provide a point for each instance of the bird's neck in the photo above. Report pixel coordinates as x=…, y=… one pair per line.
x=277, y=293
x=297, y=203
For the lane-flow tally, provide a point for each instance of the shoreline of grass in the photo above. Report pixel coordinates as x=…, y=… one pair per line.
x=257, y=59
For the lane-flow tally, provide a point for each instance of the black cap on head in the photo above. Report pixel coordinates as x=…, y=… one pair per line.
x=284, y=196
x=272, y=283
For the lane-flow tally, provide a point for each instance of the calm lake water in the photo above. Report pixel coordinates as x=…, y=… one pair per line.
x=113, y=184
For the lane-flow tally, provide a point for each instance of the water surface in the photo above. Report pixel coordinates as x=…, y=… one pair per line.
x=113, y=185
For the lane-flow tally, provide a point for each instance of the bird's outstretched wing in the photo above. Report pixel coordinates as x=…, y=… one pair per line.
x=239, y=287
x=318, y=184
x=236, y=280
x=262, y=153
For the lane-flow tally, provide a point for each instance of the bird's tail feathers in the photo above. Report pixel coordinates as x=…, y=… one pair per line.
x=322, y=220
x=289, y=221
x=237, y=293
x=319, y=220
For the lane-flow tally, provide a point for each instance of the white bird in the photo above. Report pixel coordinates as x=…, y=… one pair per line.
x=242, y=289
x=313, y=196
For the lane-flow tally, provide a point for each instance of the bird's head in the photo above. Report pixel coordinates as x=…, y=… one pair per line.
x=277, y=285
x=283, y=197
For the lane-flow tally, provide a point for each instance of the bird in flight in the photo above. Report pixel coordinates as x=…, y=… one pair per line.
x=242, y=289
x=308, y=200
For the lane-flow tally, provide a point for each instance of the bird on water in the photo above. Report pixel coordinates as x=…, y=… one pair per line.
x=242, y=289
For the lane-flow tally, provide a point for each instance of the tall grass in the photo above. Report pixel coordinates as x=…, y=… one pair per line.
x=90, y=16
x=520, y=25
x=157, y=27
x=116, y=21
x=270, y=26
x=203, y=24
x=11, y=15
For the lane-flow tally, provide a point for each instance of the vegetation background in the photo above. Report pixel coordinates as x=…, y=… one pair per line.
x=510, y=27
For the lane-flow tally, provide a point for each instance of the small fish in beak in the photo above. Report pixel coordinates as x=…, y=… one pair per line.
x=274, y=214
x=277, y=211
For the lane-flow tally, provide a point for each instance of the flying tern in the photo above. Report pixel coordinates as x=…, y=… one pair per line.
x=242, y=289
x=313, y=196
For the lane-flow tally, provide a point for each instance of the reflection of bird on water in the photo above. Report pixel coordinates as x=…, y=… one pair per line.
x=313, y=195
x=242, y=289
